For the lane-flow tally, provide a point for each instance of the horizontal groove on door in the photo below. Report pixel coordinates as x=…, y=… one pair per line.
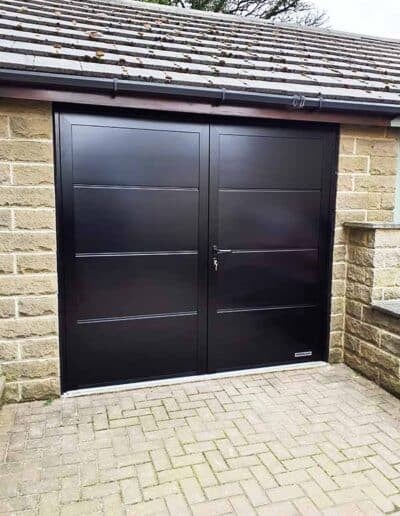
x=262, y=308
x=294, y=250
x=136, y=317
x=135, y=253
x=136, y=187
x=277, y=190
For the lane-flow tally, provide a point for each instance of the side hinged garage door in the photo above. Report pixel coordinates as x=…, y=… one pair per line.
x=190, y=247
x=269, y=213
x=134, y=211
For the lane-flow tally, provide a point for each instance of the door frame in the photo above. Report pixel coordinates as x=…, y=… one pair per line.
x=60, y=230
x=205, y=200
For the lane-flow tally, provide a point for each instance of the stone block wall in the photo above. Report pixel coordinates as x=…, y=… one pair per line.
x=366, y=184
x=372, y=338
x=28, y=280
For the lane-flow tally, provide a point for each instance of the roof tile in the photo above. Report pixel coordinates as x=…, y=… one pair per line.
x=148, y=42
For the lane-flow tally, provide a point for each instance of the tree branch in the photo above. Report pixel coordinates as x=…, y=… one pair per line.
x=299, y=12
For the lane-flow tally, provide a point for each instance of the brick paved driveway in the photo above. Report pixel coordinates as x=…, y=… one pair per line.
x=295, y=442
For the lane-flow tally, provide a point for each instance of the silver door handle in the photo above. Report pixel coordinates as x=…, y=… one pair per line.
x=217, y=251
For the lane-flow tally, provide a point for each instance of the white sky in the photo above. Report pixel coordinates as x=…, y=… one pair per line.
x=374, y=17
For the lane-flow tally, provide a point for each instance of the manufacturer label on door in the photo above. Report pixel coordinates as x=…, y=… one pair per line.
x=303, y=354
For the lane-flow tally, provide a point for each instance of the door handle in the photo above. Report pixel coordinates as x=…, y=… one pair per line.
x=215, y=253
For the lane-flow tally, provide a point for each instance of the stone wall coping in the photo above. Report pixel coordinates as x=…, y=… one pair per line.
x=371, y=225
x=390, y=307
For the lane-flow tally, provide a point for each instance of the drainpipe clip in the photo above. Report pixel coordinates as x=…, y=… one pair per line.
x=298, y=102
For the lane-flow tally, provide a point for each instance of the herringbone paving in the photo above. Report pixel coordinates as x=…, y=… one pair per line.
x=315, y=441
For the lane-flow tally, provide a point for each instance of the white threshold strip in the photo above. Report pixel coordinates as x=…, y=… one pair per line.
x=187, y=379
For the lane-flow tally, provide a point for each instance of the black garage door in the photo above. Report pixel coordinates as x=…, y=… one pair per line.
x=190, y=247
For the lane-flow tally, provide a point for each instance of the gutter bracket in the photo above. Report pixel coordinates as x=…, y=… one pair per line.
x=298, y=102
x=321, y=100
x=222, y=99
x=114, y=88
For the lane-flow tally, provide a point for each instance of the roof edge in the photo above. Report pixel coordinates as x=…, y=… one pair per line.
x=150, y=6
x=219, y=96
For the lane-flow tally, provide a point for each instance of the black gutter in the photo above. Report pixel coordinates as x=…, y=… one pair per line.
x=116, y=86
